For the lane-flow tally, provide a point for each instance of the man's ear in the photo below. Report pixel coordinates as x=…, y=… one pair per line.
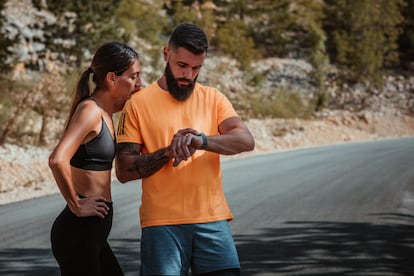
x=166, y=53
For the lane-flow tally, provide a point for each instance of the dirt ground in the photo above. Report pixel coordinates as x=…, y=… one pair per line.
x=24, y=172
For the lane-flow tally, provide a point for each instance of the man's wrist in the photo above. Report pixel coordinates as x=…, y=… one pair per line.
x=204, y=143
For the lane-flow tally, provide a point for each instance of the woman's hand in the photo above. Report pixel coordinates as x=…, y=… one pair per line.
x=91, y=206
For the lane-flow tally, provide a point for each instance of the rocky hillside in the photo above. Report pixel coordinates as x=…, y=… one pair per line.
x=354, y=115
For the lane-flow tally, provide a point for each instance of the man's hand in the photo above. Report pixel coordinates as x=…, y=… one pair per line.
x=184, y=143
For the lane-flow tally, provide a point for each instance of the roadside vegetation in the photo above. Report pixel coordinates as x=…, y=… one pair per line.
x=44, y=44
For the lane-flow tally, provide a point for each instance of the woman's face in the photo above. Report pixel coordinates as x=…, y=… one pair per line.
x=127, y=84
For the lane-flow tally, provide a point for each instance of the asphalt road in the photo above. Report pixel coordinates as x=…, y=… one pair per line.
x=336, y=210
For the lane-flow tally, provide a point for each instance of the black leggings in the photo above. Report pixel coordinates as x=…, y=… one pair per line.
x=80, y=245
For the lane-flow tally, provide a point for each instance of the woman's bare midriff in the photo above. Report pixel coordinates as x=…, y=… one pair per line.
x=92, y=183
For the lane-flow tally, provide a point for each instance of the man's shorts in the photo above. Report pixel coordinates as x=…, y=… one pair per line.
x=174, y=249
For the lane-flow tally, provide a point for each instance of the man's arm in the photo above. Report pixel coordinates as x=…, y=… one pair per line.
x=131, y=164
x=234, y=138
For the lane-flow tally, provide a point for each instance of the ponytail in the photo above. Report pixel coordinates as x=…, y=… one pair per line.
x=82, y=92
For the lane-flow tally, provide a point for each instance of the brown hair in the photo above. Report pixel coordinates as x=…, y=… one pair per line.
x=110, y=57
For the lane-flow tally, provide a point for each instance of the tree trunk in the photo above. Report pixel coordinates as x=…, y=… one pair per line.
x=11, y=122
x=42, y=141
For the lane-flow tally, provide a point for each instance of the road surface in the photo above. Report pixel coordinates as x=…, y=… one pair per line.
x=346, y=209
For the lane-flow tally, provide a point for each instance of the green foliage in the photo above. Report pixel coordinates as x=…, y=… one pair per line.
x=309, y=19
x=232, y=40
x=181, y=13
x=321, y=99
x=194, y=11
x=6, y=103
x=207, y=22
x=365, y=38
x=13, y=98
x=272, y=26
x=270, y=23
x=88, y=23
x=281, y=103
x=4, y=42
x=406, y=39
x=364, y=34
x=145, y=21
x=146, y=24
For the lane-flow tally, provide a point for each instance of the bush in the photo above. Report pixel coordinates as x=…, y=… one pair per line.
x=280, y=103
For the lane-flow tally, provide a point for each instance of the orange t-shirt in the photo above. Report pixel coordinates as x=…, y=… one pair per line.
x=191, y=192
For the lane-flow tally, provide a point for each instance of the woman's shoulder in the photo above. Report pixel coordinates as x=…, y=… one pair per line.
x=88, y=110
x=88, y=105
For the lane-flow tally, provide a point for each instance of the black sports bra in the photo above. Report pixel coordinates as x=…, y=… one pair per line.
x=97, y=154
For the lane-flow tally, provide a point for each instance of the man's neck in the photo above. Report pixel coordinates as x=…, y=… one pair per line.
x=162, y=82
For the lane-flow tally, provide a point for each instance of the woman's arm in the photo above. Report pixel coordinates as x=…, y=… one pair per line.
x=83, y=125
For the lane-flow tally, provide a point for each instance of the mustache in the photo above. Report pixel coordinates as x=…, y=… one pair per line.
x=184, y=79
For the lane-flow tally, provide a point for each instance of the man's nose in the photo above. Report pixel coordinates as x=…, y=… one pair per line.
x=188, y=73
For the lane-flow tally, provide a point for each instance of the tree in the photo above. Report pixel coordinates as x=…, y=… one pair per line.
x=138, y=18
x=144, y=22
x=364, y=35
x=26, y=50
x=180, y=12
x=309, y=16
x=406, y=39
x=15, y=106
x=271, y=25
x=48, y=98
x=81, y=26
x=199, y=12
x=5, y=42
x=26, y=30
x=232, y=40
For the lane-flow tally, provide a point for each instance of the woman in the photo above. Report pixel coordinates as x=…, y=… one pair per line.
x=82, y=161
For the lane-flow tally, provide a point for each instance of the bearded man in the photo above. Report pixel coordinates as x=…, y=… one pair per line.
x=171, y=135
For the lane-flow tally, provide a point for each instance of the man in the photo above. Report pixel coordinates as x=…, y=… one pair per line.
x=171, y=134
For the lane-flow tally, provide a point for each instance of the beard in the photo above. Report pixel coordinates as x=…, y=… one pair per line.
x=179, y=92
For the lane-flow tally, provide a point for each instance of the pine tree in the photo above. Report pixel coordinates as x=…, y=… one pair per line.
x=232, y=40
x=181, y=12
x=141, y=20
x=272, y=24
x=312, y=39
x=199, y=12
x=363, y=35
x=4, y=42
x=406, y=40
x=83, y=25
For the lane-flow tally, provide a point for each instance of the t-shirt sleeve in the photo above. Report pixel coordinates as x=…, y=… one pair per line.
x=225, y=108
x=128, y=125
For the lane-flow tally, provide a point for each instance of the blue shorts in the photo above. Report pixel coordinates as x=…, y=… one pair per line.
x=174, y=249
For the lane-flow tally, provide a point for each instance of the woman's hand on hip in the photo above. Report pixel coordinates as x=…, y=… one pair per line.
x=91, y=206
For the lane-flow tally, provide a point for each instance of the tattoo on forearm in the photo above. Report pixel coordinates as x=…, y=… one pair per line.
x=127, y=148
x=145, y=164
x=149, y=164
